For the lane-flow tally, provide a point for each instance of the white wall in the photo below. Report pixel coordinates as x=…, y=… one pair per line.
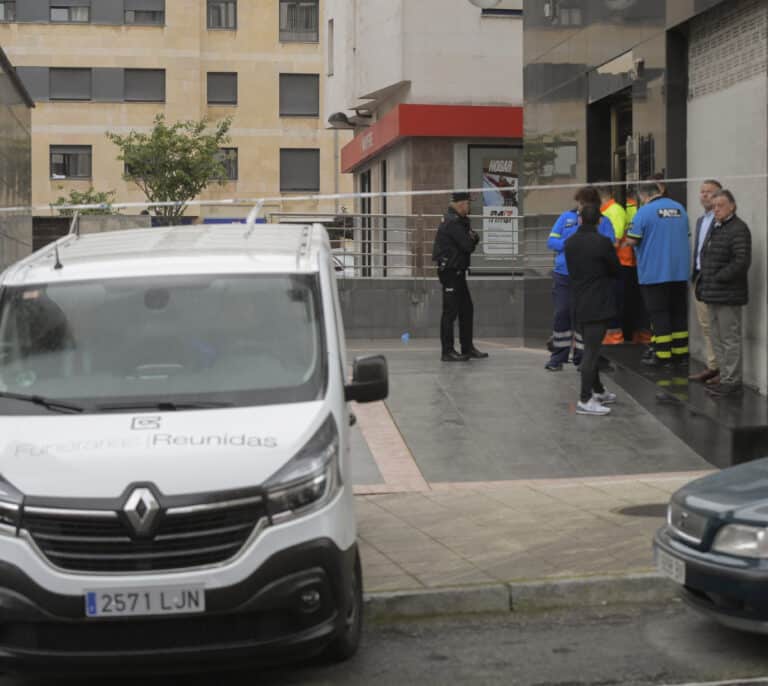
x=449, y=52
x=728, y=135
x=455, y=55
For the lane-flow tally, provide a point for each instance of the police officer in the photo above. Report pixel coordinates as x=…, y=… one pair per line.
x=659, y=234
x=454, y=243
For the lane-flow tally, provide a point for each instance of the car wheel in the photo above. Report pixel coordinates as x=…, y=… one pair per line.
x=345, y=645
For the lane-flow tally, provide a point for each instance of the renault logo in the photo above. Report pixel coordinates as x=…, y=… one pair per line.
x=141, y=509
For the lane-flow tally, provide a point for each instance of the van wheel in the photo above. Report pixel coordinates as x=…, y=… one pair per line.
x=345, y=645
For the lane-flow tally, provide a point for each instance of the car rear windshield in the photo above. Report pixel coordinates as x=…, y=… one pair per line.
x=229, y=339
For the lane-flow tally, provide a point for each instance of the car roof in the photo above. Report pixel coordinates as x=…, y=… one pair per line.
x=215, y=248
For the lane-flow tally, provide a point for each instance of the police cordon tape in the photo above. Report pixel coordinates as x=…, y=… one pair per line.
x=258, y=203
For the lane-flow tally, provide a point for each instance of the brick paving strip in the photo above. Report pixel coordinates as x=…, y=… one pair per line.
x=472, y=534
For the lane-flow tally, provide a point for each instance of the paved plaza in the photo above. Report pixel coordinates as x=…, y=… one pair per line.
x=482, y=472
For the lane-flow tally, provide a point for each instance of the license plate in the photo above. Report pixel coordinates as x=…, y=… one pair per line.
x=670, y=566
x=145, y=601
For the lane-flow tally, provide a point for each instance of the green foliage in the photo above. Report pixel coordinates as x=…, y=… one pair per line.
x=89, y=197
x=173, y=163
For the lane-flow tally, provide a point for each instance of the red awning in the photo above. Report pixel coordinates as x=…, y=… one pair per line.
x=435, y=121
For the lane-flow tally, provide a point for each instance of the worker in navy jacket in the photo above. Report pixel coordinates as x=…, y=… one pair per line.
x=564, y=333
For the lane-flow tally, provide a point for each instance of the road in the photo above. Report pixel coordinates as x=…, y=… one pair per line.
x=643, y=646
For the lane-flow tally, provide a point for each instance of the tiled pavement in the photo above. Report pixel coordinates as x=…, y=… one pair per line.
x=419, y=533
x=479, y=533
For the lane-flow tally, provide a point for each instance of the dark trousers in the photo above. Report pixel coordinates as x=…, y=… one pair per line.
x=564, y=334
x=457, y=302
x=633, y=314
x=667, y=305
x=593, y=334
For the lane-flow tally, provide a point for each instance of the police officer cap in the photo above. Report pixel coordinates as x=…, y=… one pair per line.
x=459, y=197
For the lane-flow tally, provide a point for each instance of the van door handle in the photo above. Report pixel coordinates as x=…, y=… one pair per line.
x=352, y=419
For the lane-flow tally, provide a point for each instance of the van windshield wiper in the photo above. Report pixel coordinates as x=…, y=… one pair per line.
x=162, y=406
x=48, y=403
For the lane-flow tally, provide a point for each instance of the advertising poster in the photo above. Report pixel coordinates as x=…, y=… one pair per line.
x=500, y=208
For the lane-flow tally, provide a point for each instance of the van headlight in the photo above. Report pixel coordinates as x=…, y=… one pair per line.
x=742, y=541
x=310, y=480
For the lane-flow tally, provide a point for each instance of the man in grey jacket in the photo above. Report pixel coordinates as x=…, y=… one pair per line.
x=723, y=284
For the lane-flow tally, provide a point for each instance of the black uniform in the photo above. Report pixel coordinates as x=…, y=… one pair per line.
x=454, y=243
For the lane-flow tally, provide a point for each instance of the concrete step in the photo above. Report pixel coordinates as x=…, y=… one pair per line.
x=724, y=431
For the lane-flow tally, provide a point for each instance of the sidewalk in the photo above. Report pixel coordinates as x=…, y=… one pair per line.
x=469, y=534
x=542, y=494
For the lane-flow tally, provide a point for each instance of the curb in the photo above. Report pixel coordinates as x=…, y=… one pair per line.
x=533, y=596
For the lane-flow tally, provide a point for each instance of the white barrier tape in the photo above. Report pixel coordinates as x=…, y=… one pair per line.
x=384, y=194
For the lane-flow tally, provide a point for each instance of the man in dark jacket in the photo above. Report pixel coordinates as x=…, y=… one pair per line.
x=594, y=267
x=723, y=285
x=454, y=243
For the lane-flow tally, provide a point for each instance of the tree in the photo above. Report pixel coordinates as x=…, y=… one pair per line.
x=89, y=197
x=173, y=163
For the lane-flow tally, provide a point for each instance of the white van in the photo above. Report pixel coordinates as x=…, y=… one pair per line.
x=174, y=450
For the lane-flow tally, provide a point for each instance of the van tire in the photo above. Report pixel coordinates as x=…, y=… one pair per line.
x=345, y=645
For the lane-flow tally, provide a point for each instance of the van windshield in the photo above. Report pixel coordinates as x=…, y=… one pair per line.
x=220, y=339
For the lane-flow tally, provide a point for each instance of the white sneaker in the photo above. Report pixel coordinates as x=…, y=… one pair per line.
x=605, y=398
x=592, y=407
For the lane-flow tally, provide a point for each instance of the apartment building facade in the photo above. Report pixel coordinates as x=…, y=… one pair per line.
x=94, y=66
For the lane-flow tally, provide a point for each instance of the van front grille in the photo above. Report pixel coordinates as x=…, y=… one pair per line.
x=104, y=541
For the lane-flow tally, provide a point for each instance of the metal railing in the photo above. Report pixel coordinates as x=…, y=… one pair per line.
x=374, y=245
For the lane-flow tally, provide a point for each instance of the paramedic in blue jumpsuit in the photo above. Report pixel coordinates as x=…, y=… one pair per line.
x=564, y=334
x=659, y=234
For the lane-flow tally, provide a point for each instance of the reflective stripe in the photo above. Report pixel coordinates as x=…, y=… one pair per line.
x=555, y=235
x=562, y=334
x=680, y=351
x=578, y=345
x=663, y=339
x=679, y=336
x=664, y=355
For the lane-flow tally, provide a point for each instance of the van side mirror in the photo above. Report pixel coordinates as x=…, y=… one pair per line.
x=370, y=380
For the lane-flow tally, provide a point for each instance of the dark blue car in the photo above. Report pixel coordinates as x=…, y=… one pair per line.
x=715, y=545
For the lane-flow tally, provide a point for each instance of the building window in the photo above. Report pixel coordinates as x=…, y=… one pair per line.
x=331, y=37
x=222, y=14
x=299, y=95
x=222, y=88
x=145, y=17
x=298, y=21
x=80, y=14
x=71, y=161
x=299, y=170
x=228, y=159
x=8, y=11
x=70, y=84
x=144, y=85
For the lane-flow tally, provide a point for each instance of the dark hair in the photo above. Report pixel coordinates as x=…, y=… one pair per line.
x=590, y=215
x=648, y=188
x=587, y=196
x=713, y=182
x=723, y=193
